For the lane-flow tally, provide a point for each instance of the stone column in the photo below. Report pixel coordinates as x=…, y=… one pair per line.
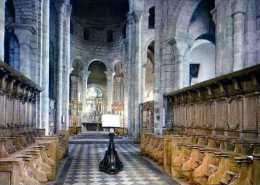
x=131, y=42
x=224, y=37
x=60, y=9
x=24, y=34
x=109, y=75
x=84, y=88
x=45, y=67
x=251, y=34
x=2, y=29
x=239, y=20
x=134, y=28
x=66, y=65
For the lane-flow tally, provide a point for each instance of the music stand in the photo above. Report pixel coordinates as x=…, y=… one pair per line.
x=111, y=163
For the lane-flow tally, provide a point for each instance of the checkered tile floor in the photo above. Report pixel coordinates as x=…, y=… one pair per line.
x=83, y=169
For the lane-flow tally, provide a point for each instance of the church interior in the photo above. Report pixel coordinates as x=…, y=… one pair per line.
x=182, y=76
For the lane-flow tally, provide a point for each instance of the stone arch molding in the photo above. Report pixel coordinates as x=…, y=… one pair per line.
x=187, y=8
x=178, y=37
x=108, y=67
x=26, y=5
x=207, y=66
x=147, y=44
x=179, y=40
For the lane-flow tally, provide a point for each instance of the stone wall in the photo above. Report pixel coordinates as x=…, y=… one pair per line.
x=183, y=30
x=96, y=48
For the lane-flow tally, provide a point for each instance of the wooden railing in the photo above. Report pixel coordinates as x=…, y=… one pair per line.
x=228, y=105
x=18, y=98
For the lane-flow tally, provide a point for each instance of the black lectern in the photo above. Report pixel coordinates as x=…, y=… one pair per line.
x=111, y=163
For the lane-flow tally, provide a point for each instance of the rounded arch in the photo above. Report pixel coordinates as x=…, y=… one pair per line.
x=97, y=60
x=97, y=74
x=118, y=67
x=77, y=63
x=118, y=84
x=12, y=50
x=181, y=26
x=200, y=62
x=193, y=24
x=149, y=73
x=115, y=63
x=99, y=63
x=150, y=51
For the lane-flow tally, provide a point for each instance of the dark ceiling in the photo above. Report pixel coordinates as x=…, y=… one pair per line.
x=100, y=9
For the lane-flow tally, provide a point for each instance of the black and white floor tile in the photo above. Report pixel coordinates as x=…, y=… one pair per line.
x=85, y=158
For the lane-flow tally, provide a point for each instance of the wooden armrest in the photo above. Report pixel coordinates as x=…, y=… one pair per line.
x=212, y=169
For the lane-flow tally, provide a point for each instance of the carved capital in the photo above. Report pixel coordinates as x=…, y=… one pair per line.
x=239, y=6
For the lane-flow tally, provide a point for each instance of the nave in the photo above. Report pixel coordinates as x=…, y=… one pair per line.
x=81, y=167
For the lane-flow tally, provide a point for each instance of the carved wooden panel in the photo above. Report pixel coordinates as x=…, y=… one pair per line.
x=209, y=115
x=227, y=105
x=250, y=113
x=2, y=111
x=5, y=178
x=235, y=114
x=221, y=114
x=147, y=116
x=258, y=115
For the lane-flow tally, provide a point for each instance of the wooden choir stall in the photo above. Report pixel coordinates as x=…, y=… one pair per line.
x=216, y=132
x=27, y=157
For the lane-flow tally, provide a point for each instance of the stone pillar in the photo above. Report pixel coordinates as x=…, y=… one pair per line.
x=60, y=9
x=45, y=67
x=224, y=37
x=66, y=65
x=84, y=88
x=239, y=20
x=251, y=34
x=24, y=34
x=131, y=73
x=2, y=29
x=109, y=75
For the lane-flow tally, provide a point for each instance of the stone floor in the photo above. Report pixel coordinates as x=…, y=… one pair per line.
x=82, y=167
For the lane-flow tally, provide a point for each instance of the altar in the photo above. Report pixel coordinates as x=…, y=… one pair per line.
x=91, y=126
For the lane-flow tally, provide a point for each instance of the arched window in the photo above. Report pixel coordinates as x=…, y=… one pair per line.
x=151, y=20
x=12, y=50
x=149, y=74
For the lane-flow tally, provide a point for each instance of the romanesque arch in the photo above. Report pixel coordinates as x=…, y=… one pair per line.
x=12, y=47
x=191, y=27
x=149, y=73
